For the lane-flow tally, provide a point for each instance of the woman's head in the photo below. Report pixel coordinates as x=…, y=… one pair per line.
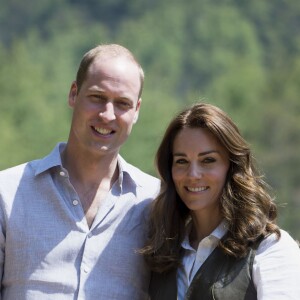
x=244, y=201
x=220, y=126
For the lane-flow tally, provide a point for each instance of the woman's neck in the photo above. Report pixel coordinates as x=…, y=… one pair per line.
x=203, y=226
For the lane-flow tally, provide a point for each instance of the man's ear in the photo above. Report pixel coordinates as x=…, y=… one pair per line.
x=137, y=110
x=72, y=94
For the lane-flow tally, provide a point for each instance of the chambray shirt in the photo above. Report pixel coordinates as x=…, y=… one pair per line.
x=276, y=266
x=48, y=251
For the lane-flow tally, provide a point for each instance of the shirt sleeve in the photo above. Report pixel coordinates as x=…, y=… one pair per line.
x=276, y=269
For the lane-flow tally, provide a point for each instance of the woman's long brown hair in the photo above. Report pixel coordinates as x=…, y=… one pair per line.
x=246, y=204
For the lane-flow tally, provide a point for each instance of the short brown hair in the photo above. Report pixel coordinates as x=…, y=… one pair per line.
x=106, y=51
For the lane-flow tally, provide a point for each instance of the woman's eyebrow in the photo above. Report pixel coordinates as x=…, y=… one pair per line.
x=200, y=154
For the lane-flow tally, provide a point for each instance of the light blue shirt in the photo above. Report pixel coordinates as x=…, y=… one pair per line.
x=48, y=251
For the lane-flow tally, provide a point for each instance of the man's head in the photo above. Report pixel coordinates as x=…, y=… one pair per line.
x=103, y=52
x=105, y=99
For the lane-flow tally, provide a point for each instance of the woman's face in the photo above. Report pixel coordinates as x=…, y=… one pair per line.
x=199, y=169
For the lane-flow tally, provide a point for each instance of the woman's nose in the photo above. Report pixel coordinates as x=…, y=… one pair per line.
x=195, y=171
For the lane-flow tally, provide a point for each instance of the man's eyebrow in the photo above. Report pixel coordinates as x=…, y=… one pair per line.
x=95, y=89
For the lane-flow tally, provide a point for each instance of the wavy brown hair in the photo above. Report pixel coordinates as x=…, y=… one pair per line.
x=246, y=203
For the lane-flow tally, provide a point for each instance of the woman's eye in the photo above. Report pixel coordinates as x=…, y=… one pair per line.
x=209, y=160
x=180, y=161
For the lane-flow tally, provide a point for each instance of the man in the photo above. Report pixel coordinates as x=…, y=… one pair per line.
x=71, y=222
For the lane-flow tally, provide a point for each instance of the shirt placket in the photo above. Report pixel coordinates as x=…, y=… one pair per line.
x=86, y=265
x=90, y=255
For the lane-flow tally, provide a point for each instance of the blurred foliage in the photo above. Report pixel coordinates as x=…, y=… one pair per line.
x=240, y=55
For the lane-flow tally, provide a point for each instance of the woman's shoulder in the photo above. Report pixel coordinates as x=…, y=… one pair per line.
x=285, y=243
x=276, y=268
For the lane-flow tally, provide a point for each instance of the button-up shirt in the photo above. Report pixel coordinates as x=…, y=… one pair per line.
x=276, y=266
x=47, y=249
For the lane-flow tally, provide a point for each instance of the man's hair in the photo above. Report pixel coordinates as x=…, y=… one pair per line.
x=106, y=51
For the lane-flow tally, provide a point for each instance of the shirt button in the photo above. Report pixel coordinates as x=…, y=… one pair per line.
x=62, y=173
x=75, y=202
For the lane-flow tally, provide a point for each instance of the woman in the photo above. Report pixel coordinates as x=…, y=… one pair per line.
x=213, y=233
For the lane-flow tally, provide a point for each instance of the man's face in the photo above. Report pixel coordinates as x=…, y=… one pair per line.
x=106, y=107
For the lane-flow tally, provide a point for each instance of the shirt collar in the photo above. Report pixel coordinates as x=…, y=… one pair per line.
x=127, y=179
x=130, y=172
x=220, y=230
x=217, y=233
x=51, y=160
x=127, y=173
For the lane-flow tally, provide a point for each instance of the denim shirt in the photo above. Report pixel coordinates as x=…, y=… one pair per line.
x=48, y=251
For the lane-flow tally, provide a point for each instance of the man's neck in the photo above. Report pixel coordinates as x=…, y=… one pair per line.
x=91, y=177
x=89, y=169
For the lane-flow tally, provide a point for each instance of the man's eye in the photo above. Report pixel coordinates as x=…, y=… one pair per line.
x=99, y=97
x=124, y=104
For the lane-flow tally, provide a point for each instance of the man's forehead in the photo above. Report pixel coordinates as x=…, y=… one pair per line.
x=113, y=64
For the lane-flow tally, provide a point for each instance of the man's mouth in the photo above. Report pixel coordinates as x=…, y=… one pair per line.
x=103, y=131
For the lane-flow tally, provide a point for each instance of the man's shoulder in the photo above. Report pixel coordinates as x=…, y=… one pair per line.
x=139, y=174
x=148, y=186
x=18, y=171
x=33, y=167
x=14, y=170
x=143, y=177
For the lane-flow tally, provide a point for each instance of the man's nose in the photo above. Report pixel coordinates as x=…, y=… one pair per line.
x=107, y=112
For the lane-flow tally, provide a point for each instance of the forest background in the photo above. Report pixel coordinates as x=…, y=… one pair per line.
x=243, y=56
